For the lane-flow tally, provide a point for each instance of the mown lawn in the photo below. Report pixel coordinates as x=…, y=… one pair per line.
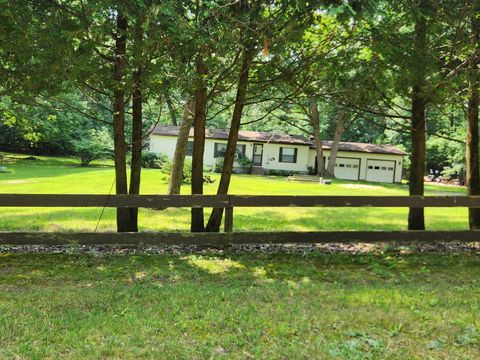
x=240, y=306
x=63, y=175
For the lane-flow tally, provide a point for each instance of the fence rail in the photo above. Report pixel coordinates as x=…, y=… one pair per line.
x=229, y=202
x=198, y=201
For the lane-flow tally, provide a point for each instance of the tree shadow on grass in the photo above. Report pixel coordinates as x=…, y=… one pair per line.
x=225, y=270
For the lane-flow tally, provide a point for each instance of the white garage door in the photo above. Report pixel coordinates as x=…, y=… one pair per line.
x=380, y=170
x=347, y=169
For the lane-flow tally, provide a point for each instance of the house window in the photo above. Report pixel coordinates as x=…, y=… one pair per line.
x=189, y=148
x=288, y=155
x=220, y=149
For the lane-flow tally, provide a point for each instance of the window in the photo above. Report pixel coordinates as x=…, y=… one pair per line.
x=342, y=165
x=355, y=166
x=390, y=168
x=384, y=168
x=349, y=165
x=370, y=167
x=189, y=148
x=288, y=155
x=377, y=167
x=220, y=148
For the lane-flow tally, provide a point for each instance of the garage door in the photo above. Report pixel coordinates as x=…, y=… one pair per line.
x=346, y=168
x=380, y=170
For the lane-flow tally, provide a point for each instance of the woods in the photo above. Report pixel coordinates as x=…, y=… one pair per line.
x=382, y=72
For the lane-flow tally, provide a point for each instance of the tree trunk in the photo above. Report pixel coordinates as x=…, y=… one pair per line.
x=332, y=159
x=216, y=216
x=199, y=123
x=472, y=156
x=176, y=176
x=315, y=122
x=123, y=214
x=416, y=218
x=171, y=110
x=136, y=166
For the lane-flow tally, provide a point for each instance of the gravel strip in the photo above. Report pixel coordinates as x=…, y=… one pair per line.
x=358, y=248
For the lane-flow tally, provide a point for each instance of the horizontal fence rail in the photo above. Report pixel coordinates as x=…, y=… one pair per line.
x=222, y=201
x=229, y=202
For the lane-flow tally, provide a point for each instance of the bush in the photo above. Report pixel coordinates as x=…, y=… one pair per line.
x=97, y=144
x=148, y=159
x=274, y=172
x=153, y=160
x=218, y=166
x=244, y=161
x=187, y=170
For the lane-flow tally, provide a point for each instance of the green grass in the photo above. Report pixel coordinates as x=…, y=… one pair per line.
x=258, y=306
x=63, y=175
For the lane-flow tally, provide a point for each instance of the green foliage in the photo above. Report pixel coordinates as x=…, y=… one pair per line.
x=446, y=157
x=148, y=159
x=187, y=170
x=275, y=172
x=218, y=165
x=153, y=160
x=96, y=145
x=244, y=161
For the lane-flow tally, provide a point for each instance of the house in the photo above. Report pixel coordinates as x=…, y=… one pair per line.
x=295, y=153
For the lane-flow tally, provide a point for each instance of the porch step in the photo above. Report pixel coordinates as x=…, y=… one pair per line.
x=309, y=178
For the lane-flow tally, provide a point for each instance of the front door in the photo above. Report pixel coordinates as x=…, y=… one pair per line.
x=257, y=154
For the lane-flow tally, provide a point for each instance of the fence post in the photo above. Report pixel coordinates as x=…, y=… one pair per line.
x=228, y=224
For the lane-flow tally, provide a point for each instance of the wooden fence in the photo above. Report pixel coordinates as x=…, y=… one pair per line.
x=229, y=202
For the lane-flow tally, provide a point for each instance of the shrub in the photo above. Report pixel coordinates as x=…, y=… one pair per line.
x=148, y=159
x=97, y=144
x=244, y=161
x=153, y=160
x=187, y=170
x=218, y=166
x=274, y=172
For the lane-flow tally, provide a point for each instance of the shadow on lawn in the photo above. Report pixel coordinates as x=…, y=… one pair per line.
x=257, y=269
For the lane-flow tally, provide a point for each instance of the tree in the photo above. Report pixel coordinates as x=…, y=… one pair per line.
x=92, y=146
x=340, y=127
x=315, y=122
x=472, y=156
x=176, y=174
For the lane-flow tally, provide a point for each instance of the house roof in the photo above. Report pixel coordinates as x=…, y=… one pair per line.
x=278, y=138
x=362, y=147
x=243, y=135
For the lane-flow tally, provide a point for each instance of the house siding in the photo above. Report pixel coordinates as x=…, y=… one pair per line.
x=364, y=157
x=271, y=151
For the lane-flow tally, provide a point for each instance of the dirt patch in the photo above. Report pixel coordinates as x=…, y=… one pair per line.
x=362, y=186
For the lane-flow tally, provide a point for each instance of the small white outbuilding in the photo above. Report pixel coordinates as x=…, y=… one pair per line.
x=295, y=153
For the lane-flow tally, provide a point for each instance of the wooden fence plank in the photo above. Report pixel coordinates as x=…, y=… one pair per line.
x=121, y=201
x=219, y=239
x=353, y=201
x=196, y=201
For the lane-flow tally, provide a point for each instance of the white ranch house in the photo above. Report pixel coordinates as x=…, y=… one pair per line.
x=273, y=151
